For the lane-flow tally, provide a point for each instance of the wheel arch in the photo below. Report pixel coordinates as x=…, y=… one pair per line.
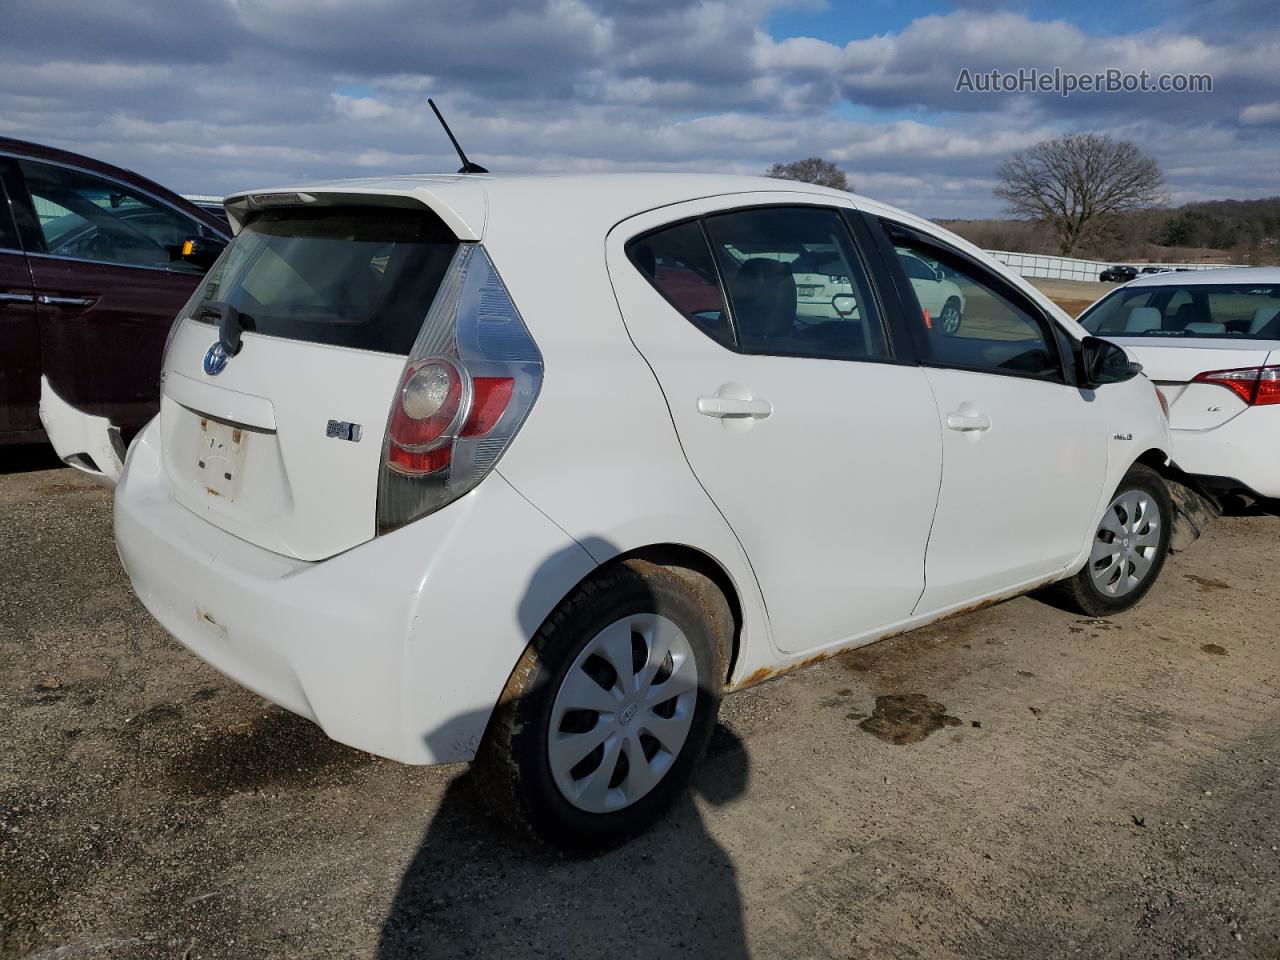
x=679, y=558
x=682, y=557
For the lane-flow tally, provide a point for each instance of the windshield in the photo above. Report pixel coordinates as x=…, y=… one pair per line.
x=346, y=276
x=1216, y=311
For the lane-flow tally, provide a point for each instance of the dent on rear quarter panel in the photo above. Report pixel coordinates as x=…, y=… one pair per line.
x=491, y=578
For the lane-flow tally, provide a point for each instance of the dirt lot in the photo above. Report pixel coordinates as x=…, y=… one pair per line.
x=1073, y=295
x=1092, y=789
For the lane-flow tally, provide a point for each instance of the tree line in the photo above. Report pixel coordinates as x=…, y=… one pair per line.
x=1087, y=195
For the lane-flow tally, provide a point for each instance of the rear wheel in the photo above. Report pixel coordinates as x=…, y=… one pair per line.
x=609, y=710
x=951, y=317
x=1129, y=547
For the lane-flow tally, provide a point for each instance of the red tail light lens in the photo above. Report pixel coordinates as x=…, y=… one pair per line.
x=1268, y=387
x=488, y=404
x=1256, y=386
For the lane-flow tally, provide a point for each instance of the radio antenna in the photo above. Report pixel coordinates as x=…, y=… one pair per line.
x=467, y=165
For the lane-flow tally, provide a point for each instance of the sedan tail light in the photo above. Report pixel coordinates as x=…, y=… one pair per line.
x=468, y=384
x=1256, y=386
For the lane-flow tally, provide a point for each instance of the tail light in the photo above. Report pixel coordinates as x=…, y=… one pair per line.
x=468, y=384
x=1256, y=386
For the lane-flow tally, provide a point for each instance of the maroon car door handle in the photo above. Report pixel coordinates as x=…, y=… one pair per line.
x=54, y=301
x=17, y=298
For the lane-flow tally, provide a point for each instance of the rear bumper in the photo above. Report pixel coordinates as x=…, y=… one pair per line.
x=399, y=646
x=1246, y=449
x=90, y=444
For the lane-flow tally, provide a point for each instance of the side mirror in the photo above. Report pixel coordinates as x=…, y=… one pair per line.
x=201, y=251
x=1103, y=362
x=938, y=274
x=844, y=305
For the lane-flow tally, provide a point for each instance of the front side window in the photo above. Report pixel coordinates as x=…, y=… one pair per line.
x=677, y=261
x=796, y=284
x=1216, y=311
x=344, y=276
x=89, y=218
x=969, y=317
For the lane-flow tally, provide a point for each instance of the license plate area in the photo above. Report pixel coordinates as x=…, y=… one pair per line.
x=220, y=457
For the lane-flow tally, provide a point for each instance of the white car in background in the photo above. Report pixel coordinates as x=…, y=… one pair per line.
x=531, y=470
x=942, y=300
x=1211, y=342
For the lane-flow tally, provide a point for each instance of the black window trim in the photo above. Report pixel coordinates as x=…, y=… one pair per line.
x=891, y=338
x=8, y=225
x=1050, y=329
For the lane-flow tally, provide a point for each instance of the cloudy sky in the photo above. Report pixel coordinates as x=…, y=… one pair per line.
x=211, y=96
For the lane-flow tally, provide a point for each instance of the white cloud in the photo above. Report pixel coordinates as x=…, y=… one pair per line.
x=286, y=90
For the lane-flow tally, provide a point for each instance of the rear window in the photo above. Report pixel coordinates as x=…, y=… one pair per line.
x=360, y=277
x=1232, y=311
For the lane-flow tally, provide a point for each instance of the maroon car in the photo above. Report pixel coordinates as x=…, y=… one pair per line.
x=95, y=261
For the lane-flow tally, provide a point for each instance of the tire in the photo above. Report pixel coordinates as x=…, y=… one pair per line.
x=1099, y=589
x=951, y=317
x=566, y=684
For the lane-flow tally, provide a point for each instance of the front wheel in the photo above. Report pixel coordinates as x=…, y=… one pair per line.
x=607, y=714
x=1128, y=549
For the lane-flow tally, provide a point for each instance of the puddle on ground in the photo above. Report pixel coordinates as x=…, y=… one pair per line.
x=1206, y=584
x=907, y=718
x=161, y=713
x=1214, y=648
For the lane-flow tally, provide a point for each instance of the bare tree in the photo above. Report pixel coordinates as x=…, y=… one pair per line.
x=1075, y=182
x=814, y=170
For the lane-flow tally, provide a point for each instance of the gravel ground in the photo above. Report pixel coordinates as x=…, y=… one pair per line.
x=1019, y=782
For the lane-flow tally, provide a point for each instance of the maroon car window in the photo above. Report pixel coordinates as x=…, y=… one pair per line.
x=677, y=261
x=85, y=217
x=8, y=233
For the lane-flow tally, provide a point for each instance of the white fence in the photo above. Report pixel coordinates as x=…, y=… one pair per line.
x=1026, y=264
x=1069, y=268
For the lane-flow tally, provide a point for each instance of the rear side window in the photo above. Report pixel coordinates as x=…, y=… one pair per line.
x=1217, y=311
x=360, y=277
x=796, y=285
x=677, y=261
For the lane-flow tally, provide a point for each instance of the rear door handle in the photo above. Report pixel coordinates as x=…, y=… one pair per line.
x=721, y=407
x=55, y=301
x=17, y=298
x=966, y=423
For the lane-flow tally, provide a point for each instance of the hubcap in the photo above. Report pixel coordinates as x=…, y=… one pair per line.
x=1125, y=545
x=622, y=713
x=950, y=318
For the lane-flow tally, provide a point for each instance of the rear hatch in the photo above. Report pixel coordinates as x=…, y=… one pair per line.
x=282, y=444
x=1174, y=364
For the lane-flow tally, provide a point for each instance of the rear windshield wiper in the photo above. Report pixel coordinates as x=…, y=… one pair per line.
x=230, y=324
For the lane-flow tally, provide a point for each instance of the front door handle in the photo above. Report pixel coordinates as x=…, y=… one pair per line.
x=55, y=301
x=17, y=298
x=966, y=423
x=721, y=407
